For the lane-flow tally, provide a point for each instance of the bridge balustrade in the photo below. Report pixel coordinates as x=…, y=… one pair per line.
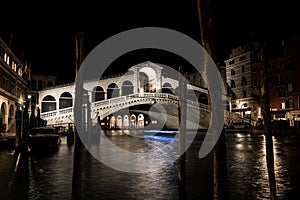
x=105, y=107
x=49, y=114
x=65, y=110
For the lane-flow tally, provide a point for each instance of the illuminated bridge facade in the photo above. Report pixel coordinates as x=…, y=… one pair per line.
x=124, y=101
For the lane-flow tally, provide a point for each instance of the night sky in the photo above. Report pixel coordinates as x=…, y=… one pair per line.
x=46, y=36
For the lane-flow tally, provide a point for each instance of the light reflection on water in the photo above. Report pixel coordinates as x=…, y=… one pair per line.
x=49, y=176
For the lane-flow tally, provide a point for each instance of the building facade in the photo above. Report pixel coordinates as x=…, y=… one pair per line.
x=239, y=76
x=284, y=82
x=144, y=80
x=13, y=83
x=243, y=75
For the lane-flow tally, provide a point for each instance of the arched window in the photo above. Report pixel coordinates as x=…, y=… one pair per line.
x=48, y=103
x=98, y=94
x=112, y=91
x=127, y=88
x=144, y=82
x=65, y=100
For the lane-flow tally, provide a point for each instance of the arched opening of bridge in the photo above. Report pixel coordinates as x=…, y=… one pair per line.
x=127, y=88
x=147, y=79
x=126, y=122
x=48, y=103
x=167, y=88
x=98, y=94
x=203, y=99
x=119, y=122
x=113, y=91
x=133, y=121
x=112, y=122
x=141, y=121
x=65, y=100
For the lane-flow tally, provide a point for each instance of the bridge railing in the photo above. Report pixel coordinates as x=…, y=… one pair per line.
x=116, y=102
x=60, y=112
x=65, y=111
x=145, y=96
x=49, y=114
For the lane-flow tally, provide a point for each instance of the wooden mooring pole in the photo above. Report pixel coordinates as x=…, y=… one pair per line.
x=77, y=160
x=182, y=109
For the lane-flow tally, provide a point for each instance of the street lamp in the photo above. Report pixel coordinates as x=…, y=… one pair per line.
x=29, y=105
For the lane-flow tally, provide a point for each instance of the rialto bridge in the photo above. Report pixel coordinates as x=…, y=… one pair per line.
x=128, y=100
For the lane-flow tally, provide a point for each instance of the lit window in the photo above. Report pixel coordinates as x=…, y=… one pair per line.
x=7, y=60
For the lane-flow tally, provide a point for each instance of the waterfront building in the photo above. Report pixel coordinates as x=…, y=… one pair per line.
x=13, y=82
x=243, y=75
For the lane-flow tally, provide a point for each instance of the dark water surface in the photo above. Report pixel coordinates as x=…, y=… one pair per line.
x=49, y=175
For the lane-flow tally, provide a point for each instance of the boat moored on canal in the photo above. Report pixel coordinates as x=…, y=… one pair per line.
x=43, y=138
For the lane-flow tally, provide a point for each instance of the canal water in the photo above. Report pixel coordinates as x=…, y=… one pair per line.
x=49, y=175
